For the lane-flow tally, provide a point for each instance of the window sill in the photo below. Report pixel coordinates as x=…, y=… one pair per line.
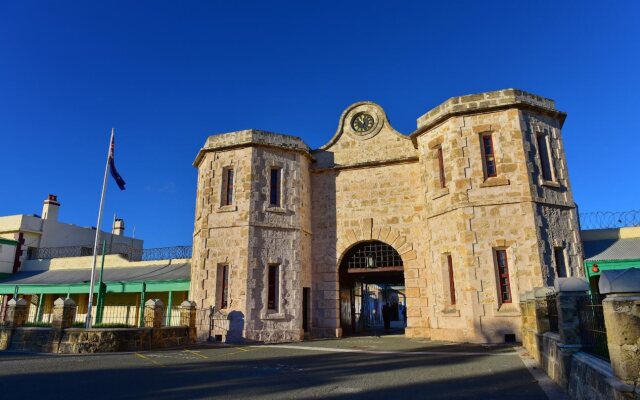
x=274, y=209
x=450, y=311
x=495, y=181
x=229, y=208
x=440, y=193
x=273, y=316
x=508, y=310
x=551, y=184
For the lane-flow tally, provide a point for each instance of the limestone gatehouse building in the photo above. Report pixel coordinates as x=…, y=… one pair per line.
x=453, y=222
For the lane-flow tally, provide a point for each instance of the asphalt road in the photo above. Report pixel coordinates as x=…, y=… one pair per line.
x=354, y=368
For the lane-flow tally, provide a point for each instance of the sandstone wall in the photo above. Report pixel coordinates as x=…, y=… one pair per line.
x=221, y=233
x=250, y=234
x=278, y=235
x=377, y=184
x=366, y=188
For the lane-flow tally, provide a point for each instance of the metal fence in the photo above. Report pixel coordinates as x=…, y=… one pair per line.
x=593, y=334
x=172, y=316
x=609, y=219
x=131, y=253
x=552, y=312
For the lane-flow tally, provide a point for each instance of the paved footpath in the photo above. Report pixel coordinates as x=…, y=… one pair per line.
x=390, y=367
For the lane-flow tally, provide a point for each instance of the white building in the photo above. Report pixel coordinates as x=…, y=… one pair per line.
x=43, y=236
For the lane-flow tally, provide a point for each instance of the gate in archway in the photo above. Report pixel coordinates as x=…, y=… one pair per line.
x=371, y=275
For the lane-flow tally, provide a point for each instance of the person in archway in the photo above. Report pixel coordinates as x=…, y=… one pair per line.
x=386, y=316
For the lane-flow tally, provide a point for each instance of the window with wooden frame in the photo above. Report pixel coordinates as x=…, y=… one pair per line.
x=227, y=186
x=488, y=155
x=561, y=264
x=275, y=187
x=452, y=285
x=223, y=286
x=443, y=181
x=273, y=287
x=545, y=156
x=504, y=286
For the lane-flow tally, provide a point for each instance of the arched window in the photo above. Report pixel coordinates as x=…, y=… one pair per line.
x=371, y=255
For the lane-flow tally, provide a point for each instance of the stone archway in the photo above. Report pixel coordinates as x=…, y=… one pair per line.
x=372, y=298
x=327, y=292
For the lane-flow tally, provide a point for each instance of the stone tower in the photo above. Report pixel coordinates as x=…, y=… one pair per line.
x=474, y=207
x=243, y=230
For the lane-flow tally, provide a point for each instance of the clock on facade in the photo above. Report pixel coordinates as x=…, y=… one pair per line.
x=362, y=122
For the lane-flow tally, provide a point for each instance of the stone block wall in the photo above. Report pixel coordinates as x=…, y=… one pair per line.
x=251, y=234
x=377, y=184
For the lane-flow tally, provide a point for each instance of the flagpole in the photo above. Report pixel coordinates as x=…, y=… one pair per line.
x=95, y=244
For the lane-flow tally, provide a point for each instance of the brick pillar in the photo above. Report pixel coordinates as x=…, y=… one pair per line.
x=17, y=313
x=526, y=320
x=188, y=314
x=523, y=316
x=539, y=318
x=153, y=314
x=569, y=290
x=621, y=310
x=188, y=318
x=64, y=314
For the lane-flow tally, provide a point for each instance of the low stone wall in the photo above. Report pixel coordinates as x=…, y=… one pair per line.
x=5, y=337
x=560, y=355
x=123, y=339
x=592, y=378
x=39, y=340
x=582, y=375
x=78, y=340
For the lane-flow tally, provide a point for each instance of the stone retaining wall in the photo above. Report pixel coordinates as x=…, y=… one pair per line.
x=582, y=375
x=78, y=340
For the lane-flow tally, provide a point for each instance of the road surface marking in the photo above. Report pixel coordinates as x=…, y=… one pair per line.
x=195, y=353
x=148, y=359
x=407, y=353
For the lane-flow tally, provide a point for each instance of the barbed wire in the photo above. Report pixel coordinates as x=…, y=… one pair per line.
x=609, y=219
x=131, y=253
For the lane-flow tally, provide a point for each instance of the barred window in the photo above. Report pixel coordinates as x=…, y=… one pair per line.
x=273, y=287
x=274, y=187
x=227, y=186
x=443, y=181
x=452, y=285
x=223, y=286
x=503, y=276
x=561, y=265
x=488, y=156
x=546, y=160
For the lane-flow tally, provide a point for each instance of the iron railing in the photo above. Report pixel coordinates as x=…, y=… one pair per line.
x=131, y=253
x=552, y=312
x=609, y=219
x=593, y=333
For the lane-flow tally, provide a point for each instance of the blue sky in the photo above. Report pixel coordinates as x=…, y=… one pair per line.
x=168, y=74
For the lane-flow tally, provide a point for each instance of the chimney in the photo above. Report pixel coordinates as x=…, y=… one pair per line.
x=50, y=208
x=118, y=227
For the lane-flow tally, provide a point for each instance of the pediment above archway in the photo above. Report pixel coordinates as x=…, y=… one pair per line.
x=364, y=136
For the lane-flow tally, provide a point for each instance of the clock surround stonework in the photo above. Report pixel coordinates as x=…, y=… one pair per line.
x=382, y=185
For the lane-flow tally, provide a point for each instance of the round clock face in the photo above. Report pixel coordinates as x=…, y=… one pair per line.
x=362, y=122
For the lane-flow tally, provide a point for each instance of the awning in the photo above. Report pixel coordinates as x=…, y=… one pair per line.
x=612, y=249
x=157, y=277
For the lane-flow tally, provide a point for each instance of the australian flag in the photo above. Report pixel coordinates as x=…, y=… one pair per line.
x=112, y=165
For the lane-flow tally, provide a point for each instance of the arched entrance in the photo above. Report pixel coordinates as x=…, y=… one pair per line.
x=371, y=275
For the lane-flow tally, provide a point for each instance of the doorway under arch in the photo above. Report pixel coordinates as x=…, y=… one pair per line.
x=371, y=276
